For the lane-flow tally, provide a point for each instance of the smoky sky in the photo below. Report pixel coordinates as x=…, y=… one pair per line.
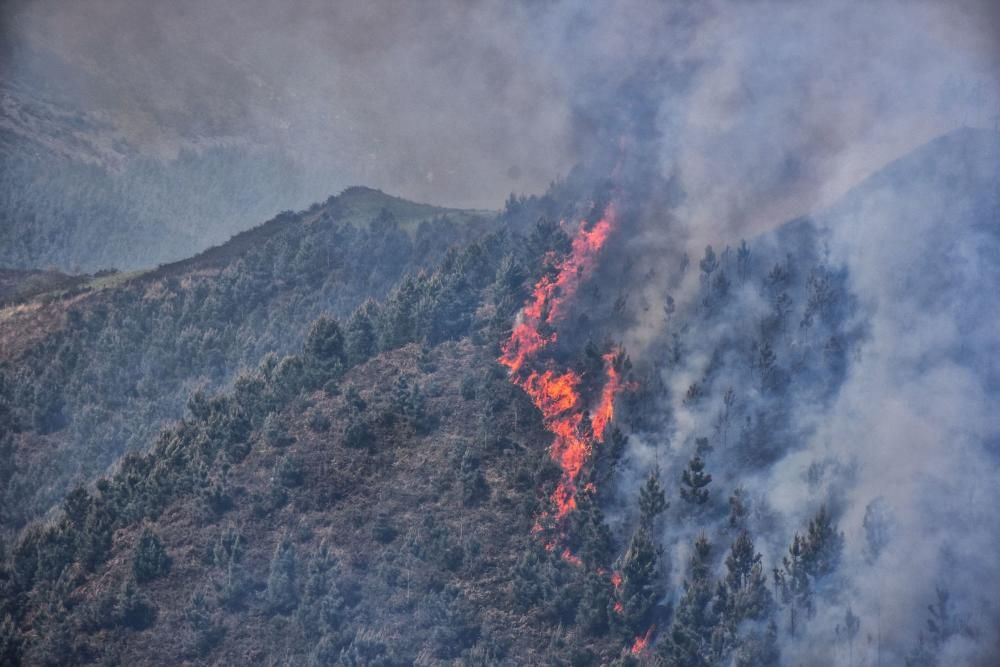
x=762, y=109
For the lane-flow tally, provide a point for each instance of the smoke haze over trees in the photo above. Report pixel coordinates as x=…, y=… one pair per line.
x=691, y=360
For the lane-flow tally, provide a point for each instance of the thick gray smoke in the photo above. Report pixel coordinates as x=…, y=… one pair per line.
x=790, y=106
x=764, y=108
x=437, y=102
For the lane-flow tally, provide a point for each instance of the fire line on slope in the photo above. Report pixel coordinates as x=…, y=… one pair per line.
x=556, y=393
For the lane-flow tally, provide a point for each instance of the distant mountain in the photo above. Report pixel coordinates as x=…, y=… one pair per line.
x=76, y=196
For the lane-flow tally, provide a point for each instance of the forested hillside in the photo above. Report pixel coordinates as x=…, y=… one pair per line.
x=398, y=435
x=96, y=368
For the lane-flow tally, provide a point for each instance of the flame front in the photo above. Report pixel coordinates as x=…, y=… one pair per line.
x=556, y=393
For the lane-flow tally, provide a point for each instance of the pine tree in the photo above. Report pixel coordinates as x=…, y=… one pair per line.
x=281, y=591
x=150, y=559
x=592, y=615
x=708, y=263
x=765, y=362
x=822, y=546
x=849, y=630
x=760, y=649
x=132, y=609
x=474, y=486
x=398, y=321
x=694, y=481
x=276, y=431
x=360, y=343
x=745, y=580
x=637, y=593
x=590, y=538
x=688, y=641
x=743, y=260
x=652, y=500
x=738, y=508
x=741, y=596
x=794, y=585
x=323, y=353
x=321, y=611
x=206, y=629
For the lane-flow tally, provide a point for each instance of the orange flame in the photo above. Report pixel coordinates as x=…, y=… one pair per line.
x=640, y=643
x=570, y=558
x=556, y=394
x=551, y=294
x=605, y=410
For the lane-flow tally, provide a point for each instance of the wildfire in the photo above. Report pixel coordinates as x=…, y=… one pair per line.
x=551, y=294
x=640, y=643
x=606, y=408
x=556, y=394
x=571, y=558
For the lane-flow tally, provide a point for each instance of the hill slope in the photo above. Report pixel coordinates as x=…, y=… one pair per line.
x=97, y=368
x=386, y=493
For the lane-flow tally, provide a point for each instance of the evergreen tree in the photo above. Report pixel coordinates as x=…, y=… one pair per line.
x=652, y=500
x=822, y=546
x=150, y=559
x=275, y=431
x=527, y=586
x=325, y=653
x=323, y=353
x=694, y=482
x=232, y=584
x=474, y=486
x=206, y=629
x=637, y=594
x=508, y=283
x=398, y=321
x=383, y=531
x=132, y=609
x=360, y=342
x=367, y=649
x=741, y=596
x=794, y=585
x=590, y=538
x=688, y=641
x=592, y=615
x=764, y=362
x=745, y=581
x=849, y=630
x=738, y=509
x=709, y=263
x=321, y=612
x=760, y=649
x=281, y=586
x=743, y=260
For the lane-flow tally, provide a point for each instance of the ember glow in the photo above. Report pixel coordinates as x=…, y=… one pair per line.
x=556, y=393
x=640, y=643
x=570, y=558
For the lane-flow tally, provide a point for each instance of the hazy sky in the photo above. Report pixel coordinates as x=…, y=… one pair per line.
x=762, y=107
